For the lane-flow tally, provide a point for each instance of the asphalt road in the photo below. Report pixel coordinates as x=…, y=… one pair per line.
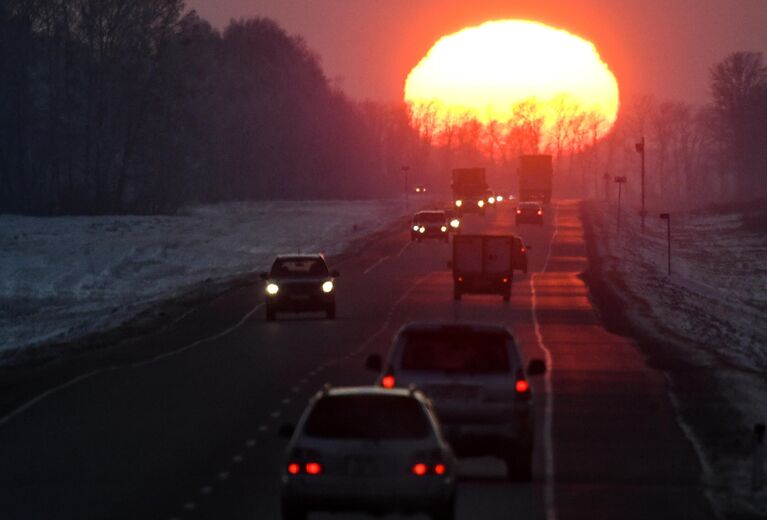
x=182, y=423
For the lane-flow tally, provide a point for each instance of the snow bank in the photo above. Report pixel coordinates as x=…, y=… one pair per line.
x=64, y=277
x=714, y=305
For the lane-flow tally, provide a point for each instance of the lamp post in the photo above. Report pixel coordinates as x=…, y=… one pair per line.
x=620, y=181
x=405, y=169
x=640, y=149
x=667, y=218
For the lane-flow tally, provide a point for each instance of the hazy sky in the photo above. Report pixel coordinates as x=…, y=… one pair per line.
x=662, y=47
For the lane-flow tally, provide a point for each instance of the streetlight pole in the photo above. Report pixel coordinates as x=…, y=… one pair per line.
x=640, y=149
x=620, y=181
x=667, y=218
x=405, y=169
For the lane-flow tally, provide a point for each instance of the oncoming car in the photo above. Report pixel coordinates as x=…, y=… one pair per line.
x=420, y=188
x=429, y=224
x=529, y=212
x=371, y=450
x=300, y=283
x=473, y=375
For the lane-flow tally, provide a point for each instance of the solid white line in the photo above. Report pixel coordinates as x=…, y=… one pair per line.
x=56, y=389
x=403, y=248
x=378, y=262
x=548, y=445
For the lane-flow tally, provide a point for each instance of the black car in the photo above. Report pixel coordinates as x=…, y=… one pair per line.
x=429, y=224
x=300, y=283
x=530, y=212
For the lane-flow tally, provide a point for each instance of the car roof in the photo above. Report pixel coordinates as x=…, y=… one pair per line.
x=301, y=256
x=370, y=391
x=430, y=211
x=530, y=203
x=456, y=327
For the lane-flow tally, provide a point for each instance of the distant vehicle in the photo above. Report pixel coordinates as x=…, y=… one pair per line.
x=430, y=224
x=535, y=177
x=454, y=219
x=529, y=212
x=371, y=450
x=469, y=187
x=473, y=375
x=420, y=188
x=519, y=255
x=482, y=264
x=300, y=283
x=490, y=198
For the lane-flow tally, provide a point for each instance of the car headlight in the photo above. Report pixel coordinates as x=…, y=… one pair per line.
x=459, y=203
x=421, y=229
x=415, y=228
x=481, y=203
x=272, y=288
x=443, y=228
x=491, y=200
x=499, y=198
x=327, y=286
x=455, y=223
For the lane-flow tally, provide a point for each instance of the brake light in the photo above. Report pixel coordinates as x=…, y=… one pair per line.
x=505, y=280
x=460, y=278
x=440, y=469
x=522, y=386
x=420, y=469
x=313, y=468
x=519, y=212
x=294, y=468
x=388, y=381
x=540, y=212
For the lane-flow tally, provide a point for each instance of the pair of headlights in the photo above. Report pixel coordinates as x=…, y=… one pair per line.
x=272, y=288
x=421, y=229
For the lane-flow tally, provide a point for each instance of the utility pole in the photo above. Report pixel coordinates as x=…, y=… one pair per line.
x=405, y=169
x=606, y=177
x=620, y=181
x=667, y=218
x=640, y=149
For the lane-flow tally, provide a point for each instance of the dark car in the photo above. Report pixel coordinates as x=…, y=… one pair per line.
x=474, y=376
x=530, y=212
x=420, y=188
x=430, y=224
x=300, y=283
x=519, y=255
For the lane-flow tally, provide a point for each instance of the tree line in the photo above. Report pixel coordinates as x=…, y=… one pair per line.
x=109, y=106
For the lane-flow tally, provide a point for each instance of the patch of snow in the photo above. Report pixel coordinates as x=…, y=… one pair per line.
x=64, y=277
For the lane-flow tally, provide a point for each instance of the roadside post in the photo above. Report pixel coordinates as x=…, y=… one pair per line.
x=757, y=472
x=667, y=218
x=620, y=181
x=640, y=149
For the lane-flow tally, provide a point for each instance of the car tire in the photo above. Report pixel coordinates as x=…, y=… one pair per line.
x=291, y=512
x=445, y=511
x=270, y=314
x=456, y=295
x=519, y=465
x=330, y=312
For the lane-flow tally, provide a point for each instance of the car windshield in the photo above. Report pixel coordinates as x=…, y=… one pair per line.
x=299, y=267
x=476, y=353
x=367, y=417
x=529, y=205
x=430, y=217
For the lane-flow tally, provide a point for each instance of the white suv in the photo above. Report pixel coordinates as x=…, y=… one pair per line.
x=473, y=375
x=368, y=449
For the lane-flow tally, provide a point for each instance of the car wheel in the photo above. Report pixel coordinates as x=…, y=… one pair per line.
x=330, y=312
x=270, y=314
x=292, y=512
x=519, y=465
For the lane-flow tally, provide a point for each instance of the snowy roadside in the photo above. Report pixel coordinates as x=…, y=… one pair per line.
x=706, y=324
x=63, y=278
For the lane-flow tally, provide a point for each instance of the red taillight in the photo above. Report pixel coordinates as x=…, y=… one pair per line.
x=388, y=381
x=505, y=280
x=440, y=469
x=519, y=212
x=460, y=279
x=294, y=468
x=540, y=212
x=419, y=469
x=522, y=386
x=522, y=250
x=313, y=468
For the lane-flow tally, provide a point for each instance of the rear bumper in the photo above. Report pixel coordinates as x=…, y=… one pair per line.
x=471, y=285
x=288, y=303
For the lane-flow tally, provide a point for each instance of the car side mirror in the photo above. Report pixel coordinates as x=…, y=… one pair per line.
x=264, y=275
x=536, y=367
x=286, y=431
x=373, y=363
x=449, y=264
x=334, y=273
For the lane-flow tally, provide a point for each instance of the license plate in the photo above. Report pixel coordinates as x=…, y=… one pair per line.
x=361, y=466
x=453, y=392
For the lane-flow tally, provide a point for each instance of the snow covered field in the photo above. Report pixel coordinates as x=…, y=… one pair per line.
x=65, y=277
x=711, y=310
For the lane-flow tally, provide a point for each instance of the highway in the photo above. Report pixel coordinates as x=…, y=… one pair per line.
x=182, y=423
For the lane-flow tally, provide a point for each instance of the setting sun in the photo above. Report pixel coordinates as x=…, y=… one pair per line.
x=487, y=70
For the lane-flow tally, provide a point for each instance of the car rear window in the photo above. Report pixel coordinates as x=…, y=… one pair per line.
x=430, y=217
x=295, y=267
x=367, y=417
x=471, y=353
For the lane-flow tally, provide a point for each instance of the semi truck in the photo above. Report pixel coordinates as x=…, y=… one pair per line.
x=469, y=189
x=484, y=264
x=535, y=178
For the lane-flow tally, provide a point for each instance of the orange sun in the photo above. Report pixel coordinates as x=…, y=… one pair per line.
x=486, y=71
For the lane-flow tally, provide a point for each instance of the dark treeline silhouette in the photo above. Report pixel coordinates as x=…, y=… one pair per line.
x=111, y=106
